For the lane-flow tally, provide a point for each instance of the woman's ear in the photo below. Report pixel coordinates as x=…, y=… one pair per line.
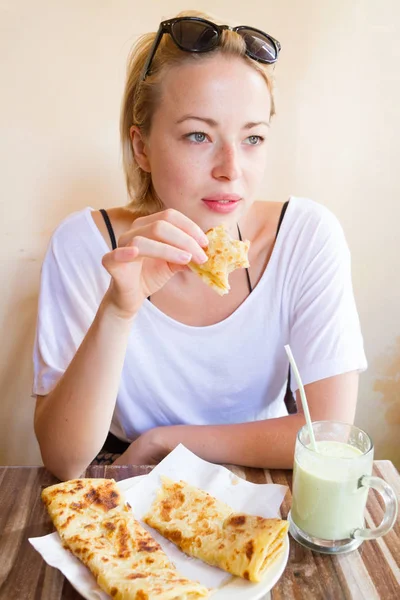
x=139, y=149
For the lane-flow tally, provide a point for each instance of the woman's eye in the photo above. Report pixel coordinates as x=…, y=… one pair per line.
x=197, y=136
x=254, y=140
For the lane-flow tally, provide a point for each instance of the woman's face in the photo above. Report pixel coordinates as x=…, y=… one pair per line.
x=207, y=145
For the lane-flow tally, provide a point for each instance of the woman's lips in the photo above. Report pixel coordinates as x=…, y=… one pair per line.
x=223, y=203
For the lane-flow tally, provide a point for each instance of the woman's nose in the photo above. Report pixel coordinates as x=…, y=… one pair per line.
x=227, y=163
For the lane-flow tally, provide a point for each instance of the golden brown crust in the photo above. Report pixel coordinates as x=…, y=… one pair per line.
x=207, y=528
x=224, y=256
x=97, y=525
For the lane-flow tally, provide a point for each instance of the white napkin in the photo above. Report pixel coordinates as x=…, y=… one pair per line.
x=256, y=499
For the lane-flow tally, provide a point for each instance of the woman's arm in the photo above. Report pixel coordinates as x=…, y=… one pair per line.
x=264, y=444
x=72, y=422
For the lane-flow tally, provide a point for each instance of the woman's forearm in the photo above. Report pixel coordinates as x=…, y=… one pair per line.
x=267, y=444
x=72, y=422
x=263, y=444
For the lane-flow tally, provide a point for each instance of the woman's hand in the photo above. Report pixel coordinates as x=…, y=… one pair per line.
x=148, y=255
x=147, y=449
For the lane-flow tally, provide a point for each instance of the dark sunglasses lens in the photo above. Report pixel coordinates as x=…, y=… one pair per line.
x=259, y=46
x=194, y=35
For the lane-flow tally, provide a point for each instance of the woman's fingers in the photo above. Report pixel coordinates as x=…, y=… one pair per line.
x=180, y=220
x=120, y=255
x=172, y=217
x=154, y=249
x=168, y=235
x=141, y=247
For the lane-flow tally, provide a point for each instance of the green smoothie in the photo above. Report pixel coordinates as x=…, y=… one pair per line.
x=327, y=502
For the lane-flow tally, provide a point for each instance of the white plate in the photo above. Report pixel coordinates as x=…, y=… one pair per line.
x=234, y=588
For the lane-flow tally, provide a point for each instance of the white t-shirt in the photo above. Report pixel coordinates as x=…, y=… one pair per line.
x=231, y=372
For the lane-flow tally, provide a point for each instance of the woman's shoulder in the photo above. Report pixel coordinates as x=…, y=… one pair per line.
x=72, y=224
x=298, y=206
x=312, y=210
x=76, y=234
x=72, y=245
x=316, y=223
x=88, y=224
x=302, y=214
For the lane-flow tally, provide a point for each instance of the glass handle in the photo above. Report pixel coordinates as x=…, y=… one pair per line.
x=390, y=500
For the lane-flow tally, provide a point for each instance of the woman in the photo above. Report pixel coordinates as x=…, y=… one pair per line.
x=130, y=341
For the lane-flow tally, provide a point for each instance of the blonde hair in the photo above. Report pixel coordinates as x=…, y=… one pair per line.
x=141, y=98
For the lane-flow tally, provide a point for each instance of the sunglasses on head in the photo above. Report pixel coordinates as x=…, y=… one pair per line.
x=193, y=34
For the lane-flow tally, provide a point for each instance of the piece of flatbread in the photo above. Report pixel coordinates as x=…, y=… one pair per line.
x=224, y=256
x=206, y=528
x=97, y=525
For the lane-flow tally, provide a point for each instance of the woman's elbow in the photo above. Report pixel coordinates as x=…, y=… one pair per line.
x=63, y=469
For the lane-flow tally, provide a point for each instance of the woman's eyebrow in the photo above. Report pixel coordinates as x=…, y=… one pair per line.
x=210, y=122
x=255, y=124
x=214, y=123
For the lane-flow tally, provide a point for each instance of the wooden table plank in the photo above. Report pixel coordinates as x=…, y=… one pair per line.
x=21, y=516
x=369, y=573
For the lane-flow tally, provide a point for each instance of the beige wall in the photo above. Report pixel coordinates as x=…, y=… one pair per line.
x=335, y=139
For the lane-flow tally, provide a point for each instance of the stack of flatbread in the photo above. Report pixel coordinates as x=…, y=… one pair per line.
x=97, y=525
x=224, y=256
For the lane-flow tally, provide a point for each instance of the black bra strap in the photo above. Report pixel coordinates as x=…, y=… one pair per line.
x=247, y=270
x=284, y=207
x=109, y=228
x=289, y=398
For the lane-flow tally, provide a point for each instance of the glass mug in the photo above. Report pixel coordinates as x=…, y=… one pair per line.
x=330, y=489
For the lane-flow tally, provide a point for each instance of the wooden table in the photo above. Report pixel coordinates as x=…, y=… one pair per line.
x=371, y=572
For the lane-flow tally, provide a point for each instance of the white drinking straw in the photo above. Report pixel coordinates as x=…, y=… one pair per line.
x=303, y=397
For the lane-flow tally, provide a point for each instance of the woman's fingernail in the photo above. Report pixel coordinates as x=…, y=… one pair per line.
x=201, y=257
x=203, y=240
x=184, y=257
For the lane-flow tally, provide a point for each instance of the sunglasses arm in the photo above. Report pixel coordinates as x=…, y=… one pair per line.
x=153, y=50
